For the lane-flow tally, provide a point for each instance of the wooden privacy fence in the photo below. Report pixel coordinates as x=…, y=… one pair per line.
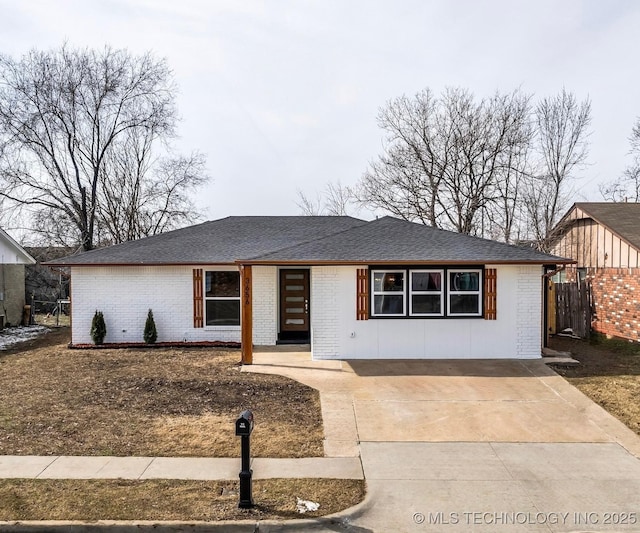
x=573, y=307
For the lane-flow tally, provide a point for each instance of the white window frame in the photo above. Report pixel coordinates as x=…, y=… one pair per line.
x=402, y=293
x=443, y=284
x=222, y=298
x=451, y=292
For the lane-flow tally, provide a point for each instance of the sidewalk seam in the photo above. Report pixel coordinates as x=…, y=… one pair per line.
x=46, y=467
x=153, y=459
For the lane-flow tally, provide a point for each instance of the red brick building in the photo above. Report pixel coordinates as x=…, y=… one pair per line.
x=604, y=239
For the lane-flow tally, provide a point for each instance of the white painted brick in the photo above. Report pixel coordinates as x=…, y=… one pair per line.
x=528, y=311
x=324, y=311
x=265, y=305
x=125, y=294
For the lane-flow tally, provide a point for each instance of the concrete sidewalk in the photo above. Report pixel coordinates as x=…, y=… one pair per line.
x=75, y=467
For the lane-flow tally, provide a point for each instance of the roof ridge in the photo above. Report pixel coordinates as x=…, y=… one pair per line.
x=301, y=243
x=453, y=232
x=442, y=235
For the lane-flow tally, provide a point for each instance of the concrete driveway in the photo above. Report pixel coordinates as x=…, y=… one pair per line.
x=472, y=445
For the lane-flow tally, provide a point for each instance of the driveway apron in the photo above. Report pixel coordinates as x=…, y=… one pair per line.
x=492, y=445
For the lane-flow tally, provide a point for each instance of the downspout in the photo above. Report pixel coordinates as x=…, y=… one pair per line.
x=553, y=272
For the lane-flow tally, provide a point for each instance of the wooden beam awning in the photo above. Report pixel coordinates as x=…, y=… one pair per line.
x=246, y=312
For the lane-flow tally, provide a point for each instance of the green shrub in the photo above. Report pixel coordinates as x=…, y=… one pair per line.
x=98, y=328
x=150, y=333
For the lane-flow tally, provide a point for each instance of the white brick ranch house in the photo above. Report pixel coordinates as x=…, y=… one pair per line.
x=352, y=289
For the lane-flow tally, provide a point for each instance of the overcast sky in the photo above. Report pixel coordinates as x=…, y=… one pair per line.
x=283, y=95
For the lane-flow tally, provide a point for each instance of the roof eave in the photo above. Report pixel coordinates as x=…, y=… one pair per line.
x=343, y=262
x=28, y=259
x=556, y=236
x=615, y=232
x=140, y=263
x=264, y=262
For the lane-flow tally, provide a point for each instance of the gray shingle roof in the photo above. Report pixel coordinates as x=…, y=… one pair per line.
x=621, y=218
x=391, y=240
x=216, y=242
x=311, y=240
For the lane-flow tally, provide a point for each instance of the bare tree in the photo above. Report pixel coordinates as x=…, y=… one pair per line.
x=142, y=195
x=627, y=186
x=335, y=200
x=405, y=180
x=66, y=116
x=451, y=161
x=487, y=148
x=310, y=207
x=562, y=131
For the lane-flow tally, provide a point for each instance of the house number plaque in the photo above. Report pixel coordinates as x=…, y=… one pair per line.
x=247, y=290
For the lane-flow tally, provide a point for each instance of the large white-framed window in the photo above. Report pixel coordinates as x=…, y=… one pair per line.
x=222, y=297
x=447, y=292
x=426, y=292
x=388, y=292
x=464, y=292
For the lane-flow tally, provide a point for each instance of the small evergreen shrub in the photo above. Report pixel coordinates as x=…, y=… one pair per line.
x=150, y=333
x=98, y=328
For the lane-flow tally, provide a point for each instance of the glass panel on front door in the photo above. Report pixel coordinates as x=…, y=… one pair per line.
x=294, y=305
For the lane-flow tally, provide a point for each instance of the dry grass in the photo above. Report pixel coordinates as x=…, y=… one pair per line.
x=50, y=320
x=609, y=374
x=149, y=402
x=170, y=500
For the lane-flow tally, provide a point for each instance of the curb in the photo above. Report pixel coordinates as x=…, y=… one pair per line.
x=341, y=521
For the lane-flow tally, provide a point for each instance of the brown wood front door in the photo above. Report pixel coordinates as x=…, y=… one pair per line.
x=294, y=304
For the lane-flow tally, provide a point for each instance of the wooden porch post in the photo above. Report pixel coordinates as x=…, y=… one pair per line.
x=247, y=315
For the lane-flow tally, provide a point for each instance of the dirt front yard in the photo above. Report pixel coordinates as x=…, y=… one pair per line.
x=608, y=373
x=147, y=402
x=153, y=402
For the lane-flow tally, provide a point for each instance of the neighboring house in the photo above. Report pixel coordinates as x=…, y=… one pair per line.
x=604, y=239
x=44, y=285
x=13, y=258
x=350, y=288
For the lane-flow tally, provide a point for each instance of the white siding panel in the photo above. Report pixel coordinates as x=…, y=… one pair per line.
x=10, y=255
x=125, y=294
x=515, y=334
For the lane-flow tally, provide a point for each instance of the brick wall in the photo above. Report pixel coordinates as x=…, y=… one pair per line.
x=528, y=311
x=125, y=294
x=324, y=311
x=616, y=301
x=265, y=305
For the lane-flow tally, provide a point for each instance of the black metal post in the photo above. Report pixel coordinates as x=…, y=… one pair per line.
x=246, y=500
